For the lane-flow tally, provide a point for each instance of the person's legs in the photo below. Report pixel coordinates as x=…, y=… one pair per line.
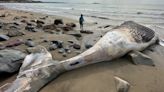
x=81, y=26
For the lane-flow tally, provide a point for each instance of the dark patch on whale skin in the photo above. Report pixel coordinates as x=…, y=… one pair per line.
x=140, y=33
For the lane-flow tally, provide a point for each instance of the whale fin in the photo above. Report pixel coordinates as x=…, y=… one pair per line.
x=140, y=58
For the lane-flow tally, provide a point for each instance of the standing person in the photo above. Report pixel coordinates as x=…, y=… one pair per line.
x=81, y=20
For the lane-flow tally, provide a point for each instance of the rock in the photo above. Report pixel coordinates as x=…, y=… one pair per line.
x=67, y=48
x=139, y=13
x=1, y=25
x=121, y=85
x=4, y=37
x=140, y=58
x=39, y=25
x=86, y=32
x=2, y=46
x=10, y=60
x=95, y=23
x=3, y=15
x=58, y=21
x=16, y=18
x=67, y=28
x=40, y=22
x=35, y=49
x=75, y=34
x=44, y=17
x=59, y=44
x=24, y=21
x=76, y=46
x=51, y=27
x=13, y=33
x=64, y=54
x=45, y=40
x=24, y=16
x=15, y=42
x=30, y=24
x=58, y=29
x=30, y=43
x=107, y=26
x=13, y=27
x=53, y=47
x=31, y=29
x=71, y=25
x=50, y=31
x=61, y=50
x=15, y=23
x=69, y=51
x=33, y=20
x=78, y=52
x=87, y=46
x=70, y=41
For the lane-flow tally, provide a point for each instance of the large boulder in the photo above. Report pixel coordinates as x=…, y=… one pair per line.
x=10, y=60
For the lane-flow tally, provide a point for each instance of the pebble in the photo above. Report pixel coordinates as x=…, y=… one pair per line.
x=87, y=46
x=61, y=50
x=64, y=54
x=76, y=46
x=86, y=31
x=52, y=47
x=76, y=34
x=59, y=44
x=30, y=43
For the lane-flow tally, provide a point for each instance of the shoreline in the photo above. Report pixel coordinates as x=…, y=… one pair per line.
x=99, y=76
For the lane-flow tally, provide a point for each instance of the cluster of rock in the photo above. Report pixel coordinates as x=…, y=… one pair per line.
x=13, y=35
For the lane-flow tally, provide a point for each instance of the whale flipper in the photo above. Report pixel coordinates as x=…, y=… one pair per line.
x=140, y=58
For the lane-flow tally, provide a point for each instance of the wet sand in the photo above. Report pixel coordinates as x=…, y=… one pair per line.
x=97, y=77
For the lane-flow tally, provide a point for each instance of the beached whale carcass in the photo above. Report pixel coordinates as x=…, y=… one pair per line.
x=38, y=68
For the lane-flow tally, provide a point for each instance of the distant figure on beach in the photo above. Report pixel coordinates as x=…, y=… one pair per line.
x=81, y=20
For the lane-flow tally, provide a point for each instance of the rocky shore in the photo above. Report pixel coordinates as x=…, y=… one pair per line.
x=20, y=30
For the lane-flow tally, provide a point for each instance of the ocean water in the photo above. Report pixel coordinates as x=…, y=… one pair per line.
x=150, y=12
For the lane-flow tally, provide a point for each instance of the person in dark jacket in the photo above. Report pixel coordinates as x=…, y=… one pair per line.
x=81, y=20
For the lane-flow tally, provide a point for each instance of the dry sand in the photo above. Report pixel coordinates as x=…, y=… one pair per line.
x=97, y=77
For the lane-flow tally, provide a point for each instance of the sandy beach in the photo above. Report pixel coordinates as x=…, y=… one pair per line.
x=92, y=78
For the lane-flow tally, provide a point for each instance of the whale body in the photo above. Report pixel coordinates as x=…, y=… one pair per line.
x=39, y=68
